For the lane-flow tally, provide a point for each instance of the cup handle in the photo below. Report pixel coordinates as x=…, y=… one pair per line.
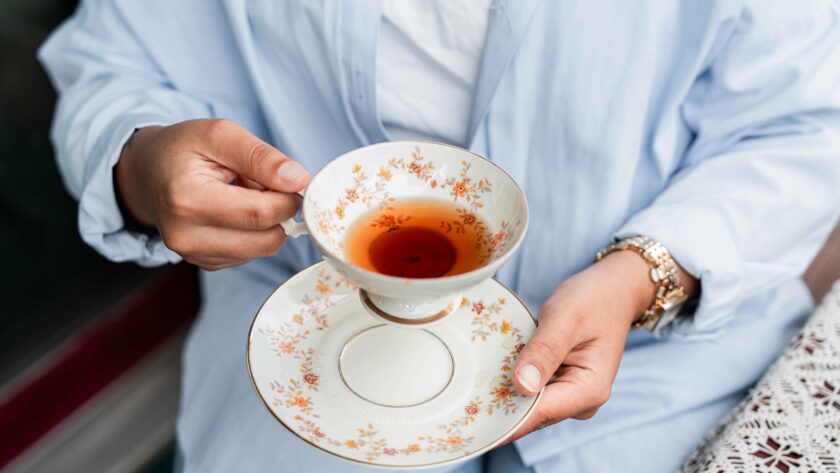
x=292, y=227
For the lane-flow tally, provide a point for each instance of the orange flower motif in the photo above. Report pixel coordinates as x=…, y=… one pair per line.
x=454, y=441
x=506, y=326
x=413, y=448
x=478, y=307
x=434, y=184
x=298, y=318
x=351, y=444
x=465, y=302
x=499, y=238
x=322, y=225
x=323, y=287
x=357, y=168
x=286, y=347
x=459, y=189
x=351, y=194
x=502, y=392
x=384, y=173
x=339, y=211
x=301, y=402
x=414, y=168
x=471, y=409
x=469, y=219
x=310, y=378
x=389, y=221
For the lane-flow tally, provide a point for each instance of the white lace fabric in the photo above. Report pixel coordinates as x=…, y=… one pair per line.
x=790, y=421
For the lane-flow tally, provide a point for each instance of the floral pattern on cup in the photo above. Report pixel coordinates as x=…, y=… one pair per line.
x=371, y=191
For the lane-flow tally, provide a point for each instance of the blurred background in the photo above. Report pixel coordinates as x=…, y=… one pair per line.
x=89, y=357
x=89, y=366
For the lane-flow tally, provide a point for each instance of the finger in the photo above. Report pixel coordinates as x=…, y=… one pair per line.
x=199, y=243
x=586, y=415
x=218, y=266
x=212, y=263
x=228, y=206
x=253, y=158
x=544, y=353
x=249, y=184
x=559, y=401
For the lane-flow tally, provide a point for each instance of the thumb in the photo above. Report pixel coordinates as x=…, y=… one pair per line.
x=237, y=149
x=542, y=355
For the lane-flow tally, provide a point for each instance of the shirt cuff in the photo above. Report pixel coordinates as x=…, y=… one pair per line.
x=101, y=223
x=699, y=240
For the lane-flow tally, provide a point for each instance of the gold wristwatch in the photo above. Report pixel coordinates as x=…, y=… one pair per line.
x=670, y=295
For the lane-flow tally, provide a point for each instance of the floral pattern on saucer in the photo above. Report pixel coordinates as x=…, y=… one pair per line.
x=495, y=327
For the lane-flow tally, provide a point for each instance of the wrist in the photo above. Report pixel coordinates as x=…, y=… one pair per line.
x=634, y=274
x=128, y=180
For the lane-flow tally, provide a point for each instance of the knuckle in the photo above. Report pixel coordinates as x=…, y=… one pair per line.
x=547, y=347
x=260, y=158
x=261, y=215
x=176, y=200
x=219, y=125
x=181, y=244
x=602, y=396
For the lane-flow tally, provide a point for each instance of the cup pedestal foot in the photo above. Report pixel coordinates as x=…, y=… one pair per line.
x=409, y=313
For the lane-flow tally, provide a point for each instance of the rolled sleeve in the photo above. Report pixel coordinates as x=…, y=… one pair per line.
x=699, y=242
x=759, y=190
x=101, y=223
x=108, y=86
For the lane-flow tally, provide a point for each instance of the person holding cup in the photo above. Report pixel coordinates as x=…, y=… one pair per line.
x=697, y=141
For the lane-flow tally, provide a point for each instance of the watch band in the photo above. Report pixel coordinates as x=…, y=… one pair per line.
x=670, y=294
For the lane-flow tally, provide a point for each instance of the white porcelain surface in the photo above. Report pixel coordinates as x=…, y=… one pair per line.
x=378, y=175
x=412, y=309
x=373, y=365
x=312, y=341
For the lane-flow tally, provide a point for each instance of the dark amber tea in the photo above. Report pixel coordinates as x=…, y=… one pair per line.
x=417, y=238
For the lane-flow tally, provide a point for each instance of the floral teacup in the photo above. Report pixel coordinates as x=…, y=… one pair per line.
x=375, y=176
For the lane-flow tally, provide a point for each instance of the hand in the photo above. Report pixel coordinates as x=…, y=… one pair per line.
x=179, y=178
x=577, y=347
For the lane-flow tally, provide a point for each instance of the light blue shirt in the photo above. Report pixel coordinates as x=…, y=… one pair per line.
x=710, y=126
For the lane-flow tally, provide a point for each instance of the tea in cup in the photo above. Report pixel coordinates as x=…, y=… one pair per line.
x=413, y=225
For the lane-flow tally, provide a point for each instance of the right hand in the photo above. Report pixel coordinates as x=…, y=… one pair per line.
x=179, y=179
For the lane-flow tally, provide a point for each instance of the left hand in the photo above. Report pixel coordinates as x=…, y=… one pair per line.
x=577, y=347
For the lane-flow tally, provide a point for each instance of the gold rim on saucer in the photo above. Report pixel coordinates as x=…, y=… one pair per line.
x=296, y=338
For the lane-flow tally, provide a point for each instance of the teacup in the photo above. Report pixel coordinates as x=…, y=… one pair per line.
x=366, y=178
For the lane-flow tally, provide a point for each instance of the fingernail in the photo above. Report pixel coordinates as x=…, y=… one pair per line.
x=529, y=377
x=290, y=171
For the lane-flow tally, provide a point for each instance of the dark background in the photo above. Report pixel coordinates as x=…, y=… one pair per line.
x=51, y=282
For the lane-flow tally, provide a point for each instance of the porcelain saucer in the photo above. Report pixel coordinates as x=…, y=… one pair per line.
x=385, y=395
